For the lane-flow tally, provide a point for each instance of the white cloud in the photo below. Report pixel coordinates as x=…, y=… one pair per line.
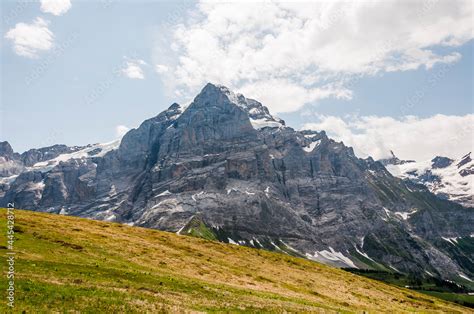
x=409, y=137
x=310, y=50
x=160, y=68
x=121, y=130
x=133, y=69
x=290, y=95
x=31, y=39
x=55, y=7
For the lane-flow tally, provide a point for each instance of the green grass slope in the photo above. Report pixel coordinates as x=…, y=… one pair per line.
x=444, y=289
x=66, y=264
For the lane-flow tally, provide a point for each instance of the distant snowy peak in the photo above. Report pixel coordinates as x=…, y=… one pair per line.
x=440, y=162
x=259, y=115
x=445, y=177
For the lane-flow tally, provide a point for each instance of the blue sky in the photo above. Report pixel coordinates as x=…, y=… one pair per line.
x=103, y=73
x=390, y=94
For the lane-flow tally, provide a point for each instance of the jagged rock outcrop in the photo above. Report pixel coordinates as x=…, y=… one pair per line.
x=394, y=160
x=227, y=165
x=9, y=161
x=440, y=162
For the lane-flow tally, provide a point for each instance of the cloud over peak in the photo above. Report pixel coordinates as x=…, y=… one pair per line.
x=309, y=50
x=409, y=137
x=121, y=130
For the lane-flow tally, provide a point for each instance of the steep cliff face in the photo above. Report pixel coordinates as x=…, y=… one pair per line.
x=227, y=165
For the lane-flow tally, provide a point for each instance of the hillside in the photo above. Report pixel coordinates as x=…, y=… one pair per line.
x=66, y=263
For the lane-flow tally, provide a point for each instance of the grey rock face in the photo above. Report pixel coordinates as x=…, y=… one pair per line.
x=227, y=163
x=441, y=162
x=9, y=162
x=6, y=150
x=464, y=160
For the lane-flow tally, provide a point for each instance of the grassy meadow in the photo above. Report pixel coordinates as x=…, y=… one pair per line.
x=69, y=264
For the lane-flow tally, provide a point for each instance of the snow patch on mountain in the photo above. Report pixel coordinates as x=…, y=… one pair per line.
x=232, y=241
x=259, y=115
x=453, y=241
x=289, y=247
x=165, y=193
x=405, y=215
x=331, y=257
x=264, y=123
x=95, y=150
x=363, y=254
x=465, y=277
x=8, y=180
x=312, y=146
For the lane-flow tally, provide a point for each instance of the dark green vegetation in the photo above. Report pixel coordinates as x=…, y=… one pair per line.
x=68, y=264
x=197, y=228
x=443, y=289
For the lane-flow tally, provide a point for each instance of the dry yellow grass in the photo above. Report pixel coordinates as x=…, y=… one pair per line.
x=72, y=264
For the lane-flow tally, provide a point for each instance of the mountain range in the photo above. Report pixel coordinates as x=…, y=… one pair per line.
x=445, y=177
x=224, y=168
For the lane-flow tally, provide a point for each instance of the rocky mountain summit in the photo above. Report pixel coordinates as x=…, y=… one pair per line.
x=225, y=168
x=394, y=160
x=446, y=178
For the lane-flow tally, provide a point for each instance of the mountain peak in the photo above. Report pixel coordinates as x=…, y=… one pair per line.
x=215, y=91
x=214, y=95
x=441, y=162
x=394, y=160
x=174, y=106
x=219, y=95
x=464, y=160
x=211, y=87
x=6, y=149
